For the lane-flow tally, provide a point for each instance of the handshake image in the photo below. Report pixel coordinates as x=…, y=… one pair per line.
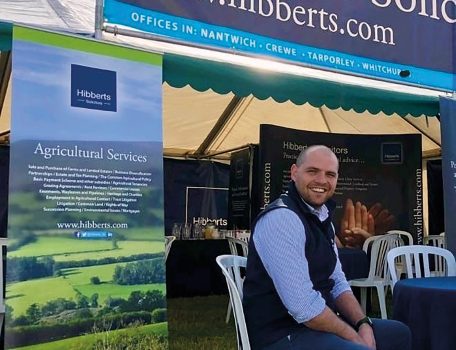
x=359, y=223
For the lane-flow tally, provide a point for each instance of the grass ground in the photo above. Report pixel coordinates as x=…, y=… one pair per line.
x=199, y=324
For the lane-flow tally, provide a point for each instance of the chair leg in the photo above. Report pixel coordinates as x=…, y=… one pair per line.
x=363, y=298
x=382, y=302
x=228, y=312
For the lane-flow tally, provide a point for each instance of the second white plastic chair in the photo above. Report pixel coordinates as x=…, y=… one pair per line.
x=231, y=266
x=435, y=241
x=168, y=243
x=237, y=247
x=377, y=247
x=416, y=258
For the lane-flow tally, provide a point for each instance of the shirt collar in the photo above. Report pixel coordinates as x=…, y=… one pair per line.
x=322, y=212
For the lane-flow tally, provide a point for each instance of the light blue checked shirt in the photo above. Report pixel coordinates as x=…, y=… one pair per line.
x=280, y=239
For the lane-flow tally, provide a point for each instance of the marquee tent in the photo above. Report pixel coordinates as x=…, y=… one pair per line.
x=216, y=105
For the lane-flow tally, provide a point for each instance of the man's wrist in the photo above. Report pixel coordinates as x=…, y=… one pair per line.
x=364, y=321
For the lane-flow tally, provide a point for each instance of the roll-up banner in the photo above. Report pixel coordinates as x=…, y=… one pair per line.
x=404, y=41
x=244, y=181
x=240, y=189
x=448, y=131
x=85, y=224
x=382, y=172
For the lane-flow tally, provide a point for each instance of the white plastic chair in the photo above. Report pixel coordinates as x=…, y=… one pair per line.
x=168, y=243
x=234, y=243
x=435, y=241
x=377, y=247
x=406, y=236
x=243, y=236
x=231, y=268
x=419, y=266
x=403, y=238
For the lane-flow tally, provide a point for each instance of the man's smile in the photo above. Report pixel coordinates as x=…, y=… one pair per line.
x=318, y=189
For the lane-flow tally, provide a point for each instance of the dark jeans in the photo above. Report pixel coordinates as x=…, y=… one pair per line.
x=389, y=335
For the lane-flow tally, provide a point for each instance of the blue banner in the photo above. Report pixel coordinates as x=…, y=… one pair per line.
x=448, y=131
x=405, y=41
x=85, y=214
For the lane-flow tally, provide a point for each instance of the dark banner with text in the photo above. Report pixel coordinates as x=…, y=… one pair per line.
x=85, y=220
x=239, y=203
x=381, y=172
x=405, y=41
x=196, y=192
x=448, y=131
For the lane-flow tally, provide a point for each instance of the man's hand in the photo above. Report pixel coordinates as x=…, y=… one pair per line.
x=349, y=308
x=357, y=224
x=366, y=333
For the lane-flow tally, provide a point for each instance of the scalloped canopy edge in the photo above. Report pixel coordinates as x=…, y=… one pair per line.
x=223, y=78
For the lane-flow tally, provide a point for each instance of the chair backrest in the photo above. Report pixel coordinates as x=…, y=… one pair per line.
x=416, y=258
x=397, y=239
x=377, y=247
x=243, y=236
x=435, y=241
x=168, y=242
x=406, y=236
x=234, y=243
x=231, y=268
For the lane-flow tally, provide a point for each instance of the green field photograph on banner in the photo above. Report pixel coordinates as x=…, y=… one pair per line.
x=85, y=263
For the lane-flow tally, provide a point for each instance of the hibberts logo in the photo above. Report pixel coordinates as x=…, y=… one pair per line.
x=392, y=153
x=93, y=88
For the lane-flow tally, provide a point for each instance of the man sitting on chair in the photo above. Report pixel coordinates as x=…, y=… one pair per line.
x=295, y=293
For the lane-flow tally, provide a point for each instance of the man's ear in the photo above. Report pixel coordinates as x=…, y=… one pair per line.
x=294, y=171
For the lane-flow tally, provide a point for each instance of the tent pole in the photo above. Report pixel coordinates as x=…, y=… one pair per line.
x=221, y=122
x=211, y=155
x=99, y=4
x=323, y=115
x=423, y=132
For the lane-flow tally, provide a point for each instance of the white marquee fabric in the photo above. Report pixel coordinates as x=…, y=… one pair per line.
x=74, y=16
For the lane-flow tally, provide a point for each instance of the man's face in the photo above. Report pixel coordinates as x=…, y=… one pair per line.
x=316, y=177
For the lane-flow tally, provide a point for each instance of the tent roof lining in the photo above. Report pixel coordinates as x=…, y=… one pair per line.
x=223, y=78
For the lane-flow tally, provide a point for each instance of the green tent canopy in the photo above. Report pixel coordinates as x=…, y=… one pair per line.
x=202, y=75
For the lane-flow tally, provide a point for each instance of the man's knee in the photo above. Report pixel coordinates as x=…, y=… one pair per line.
x=392, y=335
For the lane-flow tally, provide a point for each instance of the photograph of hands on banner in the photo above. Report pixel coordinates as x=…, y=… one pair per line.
x=358, y=223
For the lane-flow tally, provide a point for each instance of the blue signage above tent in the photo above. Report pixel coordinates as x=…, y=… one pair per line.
x=397, y=40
